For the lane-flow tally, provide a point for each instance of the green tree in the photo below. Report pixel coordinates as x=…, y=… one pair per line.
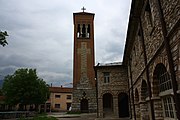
x=25, y=87
x=3, y=41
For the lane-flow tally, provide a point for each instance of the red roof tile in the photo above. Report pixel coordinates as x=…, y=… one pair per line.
x=60, y=90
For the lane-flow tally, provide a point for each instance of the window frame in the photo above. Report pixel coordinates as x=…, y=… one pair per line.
x=106, y=77
x=55, y=105
x=57, y=96
x=69, y=97
x=169, y=110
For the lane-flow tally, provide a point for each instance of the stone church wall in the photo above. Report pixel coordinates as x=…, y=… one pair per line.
x=146, y=98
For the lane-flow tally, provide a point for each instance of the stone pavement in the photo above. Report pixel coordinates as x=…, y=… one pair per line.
x=84, y=116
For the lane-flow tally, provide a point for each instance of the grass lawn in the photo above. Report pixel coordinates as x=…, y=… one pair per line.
x=39, y=117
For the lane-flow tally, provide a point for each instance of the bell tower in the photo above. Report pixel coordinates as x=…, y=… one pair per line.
x=84, y=90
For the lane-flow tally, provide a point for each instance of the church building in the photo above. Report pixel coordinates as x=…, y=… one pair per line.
x=146, y=85
x=84, y=86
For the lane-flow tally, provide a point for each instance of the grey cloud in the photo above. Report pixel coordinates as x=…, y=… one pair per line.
x=41, y=35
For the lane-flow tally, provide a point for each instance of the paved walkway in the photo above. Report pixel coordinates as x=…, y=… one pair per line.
x=84, y=116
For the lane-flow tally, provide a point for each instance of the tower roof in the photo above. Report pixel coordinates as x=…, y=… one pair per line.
x=82, y=14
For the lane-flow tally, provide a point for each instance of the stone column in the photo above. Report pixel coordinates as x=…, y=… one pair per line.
x=144, y=110
x=138, y=113
x=81, y=26
x=86, y=30
x=158, y=108
x=115, y=106
x=100, y=109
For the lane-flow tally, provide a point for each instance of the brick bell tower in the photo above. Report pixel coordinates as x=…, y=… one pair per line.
x=84, y=90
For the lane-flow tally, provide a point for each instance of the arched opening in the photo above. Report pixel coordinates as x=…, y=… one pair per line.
x=162, y=76
x=107, y=102
x=123, y=105
x=84, y=106
x=136, y=96
x=162, y=87
x=137, y=106
x=144, y=105
x=144, y=90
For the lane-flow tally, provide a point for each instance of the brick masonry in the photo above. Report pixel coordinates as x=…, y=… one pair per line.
x=83, y=71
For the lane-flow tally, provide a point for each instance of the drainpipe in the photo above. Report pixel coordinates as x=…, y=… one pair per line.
x=132, y=93
x=170, y=58
x=96, y=89
x=147, y=71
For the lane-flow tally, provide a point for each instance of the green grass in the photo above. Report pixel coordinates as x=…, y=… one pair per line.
x=39, y=117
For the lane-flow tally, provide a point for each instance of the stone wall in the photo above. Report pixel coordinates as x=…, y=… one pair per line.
x=118, y=84
x=90, y=96
x=155, y=51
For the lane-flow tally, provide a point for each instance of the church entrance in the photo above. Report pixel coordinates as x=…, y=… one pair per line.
x=107, y=104
x=84, y=106
x=123, y=105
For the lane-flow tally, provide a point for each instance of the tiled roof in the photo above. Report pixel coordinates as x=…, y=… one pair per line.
x=110, y=64
x=60, y=90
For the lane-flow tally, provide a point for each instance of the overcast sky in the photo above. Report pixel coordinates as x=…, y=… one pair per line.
x=41, y=35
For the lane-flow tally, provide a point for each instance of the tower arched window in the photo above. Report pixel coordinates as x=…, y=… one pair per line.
x=83, y=31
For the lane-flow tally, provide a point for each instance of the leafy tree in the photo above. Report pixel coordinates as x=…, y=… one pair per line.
x=3, y=41
x=25, y=87
x=1, y=92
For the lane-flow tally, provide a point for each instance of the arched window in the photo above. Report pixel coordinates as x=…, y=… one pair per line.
x=148, y=15
x=163, y=78
x=136, y=96
x=83, y=31
x=149, y=18
x=144, y=90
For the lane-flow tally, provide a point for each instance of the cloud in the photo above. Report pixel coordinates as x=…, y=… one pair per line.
x=41, y=35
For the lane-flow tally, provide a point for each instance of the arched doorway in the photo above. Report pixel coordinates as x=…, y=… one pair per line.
x=123, y=105
x=107, y=103
x=84, y=106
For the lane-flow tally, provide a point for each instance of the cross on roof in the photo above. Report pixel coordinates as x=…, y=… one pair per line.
x=83, y=8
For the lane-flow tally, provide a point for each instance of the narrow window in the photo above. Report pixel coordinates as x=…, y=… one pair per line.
x=164, y=79
x=139, y=42
x=144, y=90
x=169, y=107
x=83, y=31
x=106, y=77
x=148, y=16
x=68, y=97
x=88, y=31
x=78, y=31
x=57, y=105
